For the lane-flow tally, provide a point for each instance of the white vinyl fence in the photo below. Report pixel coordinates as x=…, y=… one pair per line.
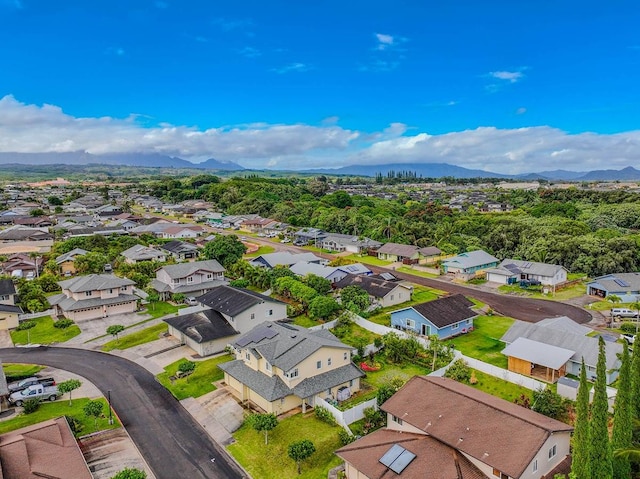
x=344, y=418
x=24, y=317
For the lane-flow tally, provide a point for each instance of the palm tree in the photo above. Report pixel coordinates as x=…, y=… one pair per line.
x=614, y=299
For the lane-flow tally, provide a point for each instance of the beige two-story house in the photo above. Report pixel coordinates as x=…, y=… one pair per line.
x=94, y=296
x=9, y=312
x=279, y=367
x=67, y=261
x=190, y=279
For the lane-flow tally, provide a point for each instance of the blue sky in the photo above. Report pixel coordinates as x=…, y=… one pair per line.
x=498, y=85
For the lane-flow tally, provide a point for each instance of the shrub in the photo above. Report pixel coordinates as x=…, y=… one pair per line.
x=75, y=425
x=459, y=371
x=24, y=325
x=628, y=328
x=63, y=323
x=31, y=405
x=324, y=415
x=345, y=437
x=239, y=283
x=186, y=367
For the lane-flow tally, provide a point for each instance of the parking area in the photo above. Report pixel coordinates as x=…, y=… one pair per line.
x=93, y=328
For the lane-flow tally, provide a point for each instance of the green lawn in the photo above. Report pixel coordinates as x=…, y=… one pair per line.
x=44, y=333
x=159, y=309
x=20, y=370
x=416, y=272
x=421, y=294
x=355, y=335
x=264, y=249
x=272, y=461
x=304, y=321
x=499, y=387
x=390, y=371
x=574, y=291
x=143, y=336
x=196, y=384
x=366, y=259
x=483, y=342
x=50, y=410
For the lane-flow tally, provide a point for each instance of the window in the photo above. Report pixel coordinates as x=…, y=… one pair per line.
x=468, y=321
x=399, y=296
x=209, y=275
x=111, y=291
x=247, y=356
x=346, y=356
x=552, y=452
x=455, y=326
x=123, y=288
x=328, y=361
x=499, y=474
x=396, y=420
x=292, y=374
x=411, y=323
x=267, y=365
x=175, y=281
x=87, y=293
x=318, y=364
x=253, y=315
x=535, y=465
x=4, y=298
x=391, y=298
x=351, y=383
x=270, y=312
x=190, y=279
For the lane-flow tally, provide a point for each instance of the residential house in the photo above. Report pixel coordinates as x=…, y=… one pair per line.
x=139, y=254
x=22, y=265
x=181, y=250
x=24, y=233
x=256, y=225
x=107, y=211
x=122, y=223
x=399, y=252
x=47, y=449
x=429, y=254
x=555, y=347
x=351, y=243
x=467, y=265
x=35, y=221
x=443, y=317
x=309, y=235
x=284, y=258
x=381, y=292
x=67, y=261
x=512, y=271
x=9, y=312
x=438, y=427
x=331, y=273
x=280, y=367
x=181, y=231
x=223, y=314
x=82, y=231
x=190, y=279
x=94, y=296
x=624, y=285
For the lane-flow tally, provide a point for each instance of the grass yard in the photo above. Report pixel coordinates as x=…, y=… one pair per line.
x=574, y=291
x=272, y=461
x=483, y=342
x=196, y=384
x=356, y=335
x=264, y=249
x=50, y=410
x=44, y=333
x=366, y=259
x=159, y=309
x=143, y=336
x=499, y=387
x=416, y=272
x=20, y=370
x=304, y=321
x=421, y=294
x=391, y=371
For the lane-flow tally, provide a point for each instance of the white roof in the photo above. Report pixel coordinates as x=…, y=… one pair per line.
x=538, y=353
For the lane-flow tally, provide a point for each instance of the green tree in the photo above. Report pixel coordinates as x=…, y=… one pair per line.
x=301, y=450
x=69, y=386
x=549, y=403
x=225, y=249
x=94, y=409
x=48, y=283
x=130, y=473
x=186, y=367
x=635, y=379
x=54, y=201
x=37, y=212
x=91, y=263
x=354, y=298
x=580, y=439
x=322, y=307
x=263, y=423
x=321, y=285
x=600, y=457
x=115, y=329
x=622, y=435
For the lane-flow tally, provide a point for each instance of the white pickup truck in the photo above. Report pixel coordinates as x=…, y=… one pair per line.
x=37, y=391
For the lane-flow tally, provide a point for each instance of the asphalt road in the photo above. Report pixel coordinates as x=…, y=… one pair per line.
x=173, y=444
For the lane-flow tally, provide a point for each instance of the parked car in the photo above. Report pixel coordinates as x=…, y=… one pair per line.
x=285, y=240
x=624, y=313
x=31, y=381
x=37, y=391
x=191, y=301
x=525, y=283
x=629, y=338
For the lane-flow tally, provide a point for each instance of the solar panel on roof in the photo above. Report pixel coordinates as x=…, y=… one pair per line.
x=352, y=268
x=387, y=276
x=621, y=282
x=397, y=458
x=391, y=455
x=255, y=336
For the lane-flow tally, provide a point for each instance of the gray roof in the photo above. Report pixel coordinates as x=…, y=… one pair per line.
x=584, y=346
x=617, y=283
x=7, y=287
x=446, y=311
x=286, y=345
x=71, y=255
x=355, y=268
x=565, y=323
x=351, y=240
x=161, y=287
x=397, y=249
x=376, y=287
x=70, y=304
x=140, y=252
x=511, y=267
x=232, y=301
x=322, y=382
x=202, y=327
x=4, y=388
x=182, y=270
x=471, y=259
x=538, y=353
x=94, y=282
x=284, y=258
x=178, y=247
x=10, y=308
x=269, y=387
x=303, y=268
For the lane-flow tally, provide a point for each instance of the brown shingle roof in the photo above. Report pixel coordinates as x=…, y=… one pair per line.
x=397, y=249
x=465, y=418
x=445, y=311
x=433, y=458
x=376, y=287
x=47, y=449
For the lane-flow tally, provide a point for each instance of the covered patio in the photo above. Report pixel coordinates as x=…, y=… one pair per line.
x=539, y=360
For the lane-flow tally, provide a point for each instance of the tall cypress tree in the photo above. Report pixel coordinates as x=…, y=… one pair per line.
x=580, y=440
x=600, y=457
x=622, y=419
x=635, y=379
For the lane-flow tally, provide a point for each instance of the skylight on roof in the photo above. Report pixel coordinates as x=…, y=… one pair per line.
x=397, y=458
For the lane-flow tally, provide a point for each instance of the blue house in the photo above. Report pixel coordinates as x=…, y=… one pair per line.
x=624, y=285
x=468, y=264
x=444, y=317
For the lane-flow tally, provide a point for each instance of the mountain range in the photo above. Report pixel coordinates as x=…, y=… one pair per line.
x=422, y=170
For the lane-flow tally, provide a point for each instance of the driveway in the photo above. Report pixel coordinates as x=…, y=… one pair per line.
x=93, y=328
x=172, y=442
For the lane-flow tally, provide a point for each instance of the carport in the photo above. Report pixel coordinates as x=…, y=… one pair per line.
x=533, y=358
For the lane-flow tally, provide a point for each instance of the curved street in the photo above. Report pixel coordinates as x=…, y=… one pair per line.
x=171, y=441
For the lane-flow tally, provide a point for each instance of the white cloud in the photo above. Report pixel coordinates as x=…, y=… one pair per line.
x=34, y=129
x=230, y=24
x=521, y=111
x=250, y=52
x=511, y=77
x=384, y=40
x=293, y=67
